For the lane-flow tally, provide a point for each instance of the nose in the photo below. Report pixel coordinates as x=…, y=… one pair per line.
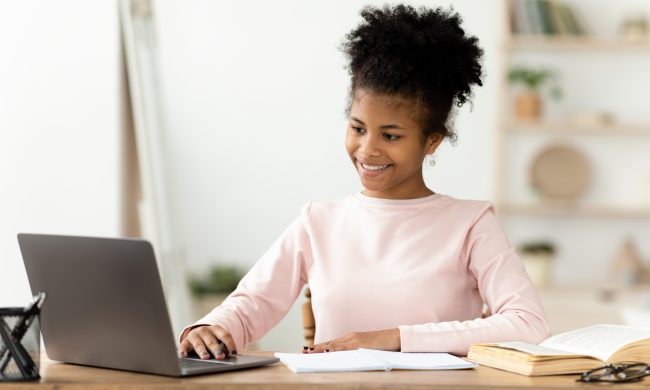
x=369, y=146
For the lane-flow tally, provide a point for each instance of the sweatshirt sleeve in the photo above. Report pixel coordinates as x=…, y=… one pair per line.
x=265, y=294
x=505, y=287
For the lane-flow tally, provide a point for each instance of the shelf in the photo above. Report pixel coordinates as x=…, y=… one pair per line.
x=567, y=127
x=574, y=43
x=564, y=210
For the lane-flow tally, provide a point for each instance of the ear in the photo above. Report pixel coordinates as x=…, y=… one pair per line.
x=432, y=142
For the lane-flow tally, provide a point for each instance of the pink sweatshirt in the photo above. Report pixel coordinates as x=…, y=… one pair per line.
x=425, y=266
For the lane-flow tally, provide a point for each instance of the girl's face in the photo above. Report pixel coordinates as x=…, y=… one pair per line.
x=387, y=146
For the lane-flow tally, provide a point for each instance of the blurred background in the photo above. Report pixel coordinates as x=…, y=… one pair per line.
x=204, y=126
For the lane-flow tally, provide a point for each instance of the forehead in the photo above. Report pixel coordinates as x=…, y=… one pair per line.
x=376, y=107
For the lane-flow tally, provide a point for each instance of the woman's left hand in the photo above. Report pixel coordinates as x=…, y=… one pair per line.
x=387, y=340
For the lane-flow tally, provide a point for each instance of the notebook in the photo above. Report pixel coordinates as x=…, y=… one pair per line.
x=371, y=360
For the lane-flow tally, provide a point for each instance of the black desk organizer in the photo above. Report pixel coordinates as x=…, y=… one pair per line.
x=20, y=341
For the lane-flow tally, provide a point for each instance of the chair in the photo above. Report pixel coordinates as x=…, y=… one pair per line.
x=308, y=321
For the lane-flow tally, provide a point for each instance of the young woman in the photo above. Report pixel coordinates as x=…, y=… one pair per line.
x=396, y=267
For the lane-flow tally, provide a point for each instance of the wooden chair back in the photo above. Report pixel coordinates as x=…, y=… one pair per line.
x=308, y=321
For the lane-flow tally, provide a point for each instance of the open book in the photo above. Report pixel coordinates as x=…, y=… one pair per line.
x=566, y=353
x=370, y=360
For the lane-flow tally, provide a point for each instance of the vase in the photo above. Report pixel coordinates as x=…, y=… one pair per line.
x=528, y=105
x=539, y=268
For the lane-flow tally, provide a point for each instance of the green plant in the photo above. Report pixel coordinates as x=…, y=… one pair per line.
x=538, y=248
x=220, y=279
x=535, y=79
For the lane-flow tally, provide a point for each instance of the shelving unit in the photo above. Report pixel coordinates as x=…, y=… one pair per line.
x=566, y=127
x=571, y=224
x=564, y=210
x=574, y=43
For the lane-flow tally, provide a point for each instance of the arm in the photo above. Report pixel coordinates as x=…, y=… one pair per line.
x=268, y=290
x=503, y=284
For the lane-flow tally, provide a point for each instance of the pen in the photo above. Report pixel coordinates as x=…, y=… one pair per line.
x=30, y=313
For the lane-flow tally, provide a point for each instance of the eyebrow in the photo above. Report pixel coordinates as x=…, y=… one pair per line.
x=383, y=127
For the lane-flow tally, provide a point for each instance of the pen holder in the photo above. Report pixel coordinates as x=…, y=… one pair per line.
x=19, y=343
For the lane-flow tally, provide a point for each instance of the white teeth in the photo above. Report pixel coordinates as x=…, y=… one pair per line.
x=374, y=167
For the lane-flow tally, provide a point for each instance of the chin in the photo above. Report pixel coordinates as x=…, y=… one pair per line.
x=371, y=187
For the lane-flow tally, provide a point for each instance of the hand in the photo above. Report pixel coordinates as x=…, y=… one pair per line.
x=387, y=340
x=206, y=340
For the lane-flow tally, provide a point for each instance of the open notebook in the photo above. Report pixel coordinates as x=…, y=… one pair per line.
x=371, y=360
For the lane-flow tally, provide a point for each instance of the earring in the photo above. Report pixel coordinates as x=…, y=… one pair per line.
x=432, y=160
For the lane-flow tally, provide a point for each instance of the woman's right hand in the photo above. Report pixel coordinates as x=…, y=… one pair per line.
x=206, y=340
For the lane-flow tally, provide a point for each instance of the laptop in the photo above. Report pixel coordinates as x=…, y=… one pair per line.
x=106, y=307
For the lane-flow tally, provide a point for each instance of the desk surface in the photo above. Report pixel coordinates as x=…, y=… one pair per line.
x=61, y=376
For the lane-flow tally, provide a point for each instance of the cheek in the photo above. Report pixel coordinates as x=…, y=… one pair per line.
x=350, y=145
x=412, y=156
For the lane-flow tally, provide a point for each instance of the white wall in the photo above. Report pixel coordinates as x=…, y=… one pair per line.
x=254, y=98
x=59, y=127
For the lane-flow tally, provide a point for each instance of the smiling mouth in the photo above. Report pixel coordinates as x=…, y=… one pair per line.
x=372, y=170
x=374, y=167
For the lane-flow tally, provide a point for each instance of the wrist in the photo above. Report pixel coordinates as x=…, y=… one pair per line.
x=395, y=339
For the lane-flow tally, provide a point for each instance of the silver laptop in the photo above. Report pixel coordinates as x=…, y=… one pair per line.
x=106, y=307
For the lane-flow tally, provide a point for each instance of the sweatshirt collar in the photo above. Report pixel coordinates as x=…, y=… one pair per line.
x=381, y=201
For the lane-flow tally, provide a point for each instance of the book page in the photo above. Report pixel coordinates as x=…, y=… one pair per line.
x=599, y=341
x=534, y=349
x=330, y=361
x=419, y=361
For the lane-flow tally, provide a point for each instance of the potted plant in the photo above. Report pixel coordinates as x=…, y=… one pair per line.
x=537, y=257
x=528, y=102
x=211, y=288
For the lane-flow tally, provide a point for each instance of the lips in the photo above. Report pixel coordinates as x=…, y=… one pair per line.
x=374, y=167
x=372, y=170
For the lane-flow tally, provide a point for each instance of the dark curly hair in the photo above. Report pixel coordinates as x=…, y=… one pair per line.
x=422, y=55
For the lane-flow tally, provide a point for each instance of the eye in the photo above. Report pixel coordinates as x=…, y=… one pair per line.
x=391, y=137
x=357, y=130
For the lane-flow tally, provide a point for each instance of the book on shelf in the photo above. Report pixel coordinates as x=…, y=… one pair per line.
x=371, y=360
x=569, y=352
x=544, y=18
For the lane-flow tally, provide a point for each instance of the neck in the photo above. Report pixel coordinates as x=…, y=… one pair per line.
x=420, y=193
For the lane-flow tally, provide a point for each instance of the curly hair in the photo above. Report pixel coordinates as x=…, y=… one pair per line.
x=422, y=55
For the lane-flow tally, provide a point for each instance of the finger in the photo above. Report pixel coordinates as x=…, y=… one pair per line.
x=346, y=343
x=335, y=347
x=322, y=347
x=315, y=348
x=211, y=343
x=227, y=339
x=198, y=346
x=184, y=348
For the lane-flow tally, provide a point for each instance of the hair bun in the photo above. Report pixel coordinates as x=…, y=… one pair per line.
x=421, y=53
